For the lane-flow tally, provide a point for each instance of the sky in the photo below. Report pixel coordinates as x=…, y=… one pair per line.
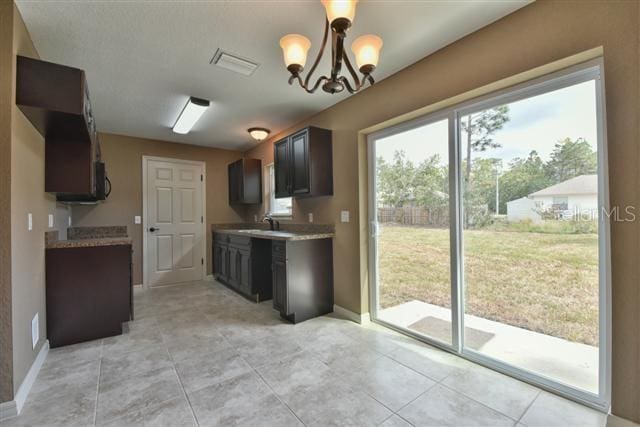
x=536, y=123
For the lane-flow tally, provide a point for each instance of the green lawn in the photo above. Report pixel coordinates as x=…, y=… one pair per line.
x=539, y=281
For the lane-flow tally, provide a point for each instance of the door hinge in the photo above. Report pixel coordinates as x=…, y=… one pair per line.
x=202, y=220
x=201, y=178
x=202, y=261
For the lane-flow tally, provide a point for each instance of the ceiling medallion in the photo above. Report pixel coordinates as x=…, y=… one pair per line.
x=366, y=49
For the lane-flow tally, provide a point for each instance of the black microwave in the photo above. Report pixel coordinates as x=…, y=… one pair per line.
x=103, y=189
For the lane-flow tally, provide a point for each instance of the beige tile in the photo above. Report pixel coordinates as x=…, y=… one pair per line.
x=75, y=408
x=125, y=343
x=441, y=406
x=395, y=421
x=336, y=403
x=77, y=353
x=175, y=412
x=549, y=410
x=56, y=380
x=243, y=400
x=115, y=399
x=434, y=363
x=122, y=366
x=210, y=368
x=295, y=374
x=500, y=392
x=267, y=349
x=389, y=382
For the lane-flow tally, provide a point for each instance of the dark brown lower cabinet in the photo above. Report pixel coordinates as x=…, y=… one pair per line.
x=243, y=264
x=302, y=272
x=88, y=292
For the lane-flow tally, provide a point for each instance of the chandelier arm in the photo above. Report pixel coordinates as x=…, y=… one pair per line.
x=347, y=84
x=320, y=53
x=315, y=86
x=352, y=71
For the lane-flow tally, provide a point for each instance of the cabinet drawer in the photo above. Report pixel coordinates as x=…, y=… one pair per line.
x=220, y=237
x=240, y=242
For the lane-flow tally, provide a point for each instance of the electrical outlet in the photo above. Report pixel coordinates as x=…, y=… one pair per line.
x=137, y=219
x=29, y=221
x=50, y=220
x=310, y=217
x=35, y=330
x=344, y=216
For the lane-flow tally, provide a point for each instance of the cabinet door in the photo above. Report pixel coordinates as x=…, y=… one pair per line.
x=234, y=193
x=281, y=167
x=244, y=266
x=217, y=261
x=299, y=162
x=232, y=276
x=280, y=285
x=224, y=263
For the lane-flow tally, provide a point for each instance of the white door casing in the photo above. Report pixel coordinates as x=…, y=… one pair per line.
x=174, y=230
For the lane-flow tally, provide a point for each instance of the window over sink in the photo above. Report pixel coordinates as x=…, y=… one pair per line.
x=281, y=207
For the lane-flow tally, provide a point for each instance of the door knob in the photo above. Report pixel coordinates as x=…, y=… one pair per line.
x=152, y=229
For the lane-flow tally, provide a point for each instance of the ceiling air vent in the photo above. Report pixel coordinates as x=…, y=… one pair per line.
x=233, y=63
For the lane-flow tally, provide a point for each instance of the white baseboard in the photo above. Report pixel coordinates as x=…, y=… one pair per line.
x=14, y=407
x=615, y=421
x=350, y=315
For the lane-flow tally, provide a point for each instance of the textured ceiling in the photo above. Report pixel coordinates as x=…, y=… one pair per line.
x=144, y=59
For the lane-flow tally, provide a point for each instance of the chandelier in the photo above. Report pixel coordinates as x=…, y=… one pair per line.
x=366, y=50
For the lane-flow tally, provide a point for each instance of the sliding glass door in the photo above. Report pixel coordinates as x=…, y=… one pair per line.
x=489, y=232
x=412, y=193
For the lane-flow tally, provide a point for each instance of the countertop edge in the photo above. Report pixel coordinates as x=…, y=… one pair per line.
x=297, y=237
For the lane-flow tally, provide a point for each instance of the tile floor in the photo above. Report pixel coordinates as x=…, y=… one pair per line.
x=198, y=354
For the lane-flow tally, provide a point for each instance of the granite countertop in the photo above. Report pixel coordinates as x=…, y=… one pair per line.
x=87, y=243
x=276, y=235
x=86, y=237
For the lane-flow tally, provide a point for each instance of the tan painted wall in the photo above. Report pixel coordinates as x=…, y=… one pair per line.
x=123, y=158
x=6, y=54
x=27, y=247
x=538, y=34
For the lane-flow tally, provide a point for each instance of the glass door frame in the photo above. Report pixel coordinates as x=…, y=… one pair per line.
x=587, y=71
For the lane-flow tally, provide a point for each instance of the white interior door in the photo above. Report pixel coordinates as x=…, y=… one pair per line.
x=174, y=222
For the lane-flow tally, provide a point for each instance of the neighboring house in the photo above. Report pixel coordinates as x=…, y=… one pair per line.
x=577, y=195
x=523, y=209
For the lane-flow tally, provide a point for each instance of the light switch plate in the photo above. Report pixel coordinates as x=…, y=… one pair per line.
x=50, y=220
x=137, y=219
x=29, y=221
x=310, y=217
x=69, y=220
x=344, y=216
x=35, y=330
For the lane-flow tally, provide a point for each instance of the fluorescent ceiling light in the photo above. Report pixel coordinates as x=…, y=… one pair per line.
x=190, y=114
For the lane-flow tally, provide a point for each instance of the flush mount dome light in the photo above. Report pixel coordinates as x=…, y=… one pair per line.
x=190, y=114
x=258, y=133
x=339, y=17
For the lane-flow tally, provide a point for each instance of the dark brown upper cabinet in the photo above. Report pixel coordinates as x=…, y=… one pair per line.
x=303, y=164
x=245, y=182
x=55, y=99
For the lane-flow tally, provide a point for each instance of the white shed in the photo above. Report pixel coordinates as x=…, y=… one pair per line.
x=523, y=209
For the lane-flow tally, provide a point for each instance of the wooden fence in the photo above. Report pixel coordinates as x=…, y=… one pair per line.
x=434, y=217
